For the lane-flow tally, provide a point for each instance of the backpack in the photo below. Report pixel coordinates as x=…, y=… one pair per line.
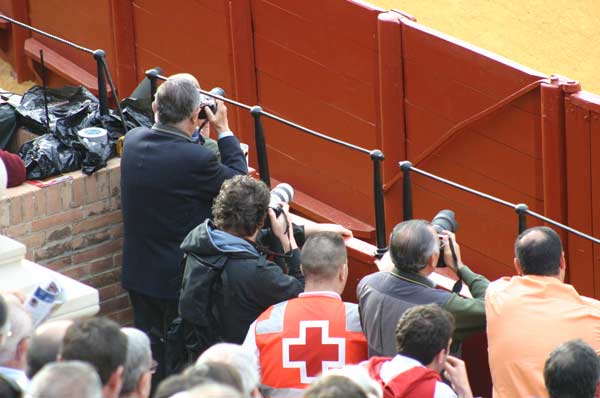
x=201, y=301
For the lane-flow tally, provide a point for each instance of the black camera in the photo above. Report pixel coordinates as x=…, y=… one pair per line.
x=207, y=100
x=444, y=220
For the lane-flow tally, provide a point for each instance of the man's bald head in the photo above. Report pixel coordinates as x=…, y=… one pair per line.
x=539, y=251
x=45, y=344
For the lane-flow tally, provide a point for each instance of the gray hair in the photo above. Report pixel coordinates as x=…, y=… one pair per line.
x=177, y=99
x=20, y=328
x=139, y=358
x=322, y=255
x=69, y=379
x=412, y=243
x=212, y=390
x=45, y=344
x=359, y=375
x=238, y=357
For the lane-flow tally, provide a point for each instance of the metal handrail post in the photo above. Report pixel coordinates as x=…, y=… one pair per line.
x=407, y=207
x=261, y=146
x=152, y=75
x=102, y=93
x=377, y=157
x=522, y=210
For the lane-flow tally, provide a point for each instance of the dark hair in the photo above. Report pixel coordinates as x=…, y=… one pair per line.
x=3, y=312
x=412, y=243
x=423, y=331
x=539, y=251
x=241, y=206
x=572, y=370
x=98, y=341
x=334, y=386
x=177, y=99
x=322, y=255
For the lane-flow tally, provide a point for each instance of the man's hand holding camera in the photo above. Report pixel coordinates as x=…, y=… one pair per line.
x=218, y=121
x=281, y=226
x=447, y=242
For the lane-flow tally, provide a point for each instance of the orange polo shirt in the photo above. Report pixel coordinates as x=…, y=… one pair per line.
x=527, y=318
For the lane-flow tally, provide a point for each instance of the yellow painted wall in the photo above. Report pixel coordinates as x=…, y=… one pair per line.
x=558, y=36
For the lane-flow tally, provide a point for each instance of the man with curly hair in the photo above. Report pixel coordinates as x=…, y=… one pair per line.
x=250, y=282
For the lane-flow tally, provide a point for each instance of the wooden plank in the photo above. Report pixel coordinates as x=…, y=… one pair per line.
x=288, y=102
x=314, y=80
x=471, y=65
x=355, y=22
x=306, y=38
x=579, y=205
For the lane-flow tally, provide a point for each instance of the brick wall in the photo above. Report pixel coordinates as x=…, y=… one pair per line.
x=74, y=227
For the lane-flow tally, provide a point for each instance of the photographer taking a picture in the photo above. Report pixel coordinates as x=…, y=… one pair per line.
x=228, y=279
x=415, y=248
x=168, y=183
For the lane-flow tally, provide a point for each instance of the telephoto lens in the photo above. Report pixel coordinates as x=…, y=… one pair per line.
x=281, y=193
x=444, y=220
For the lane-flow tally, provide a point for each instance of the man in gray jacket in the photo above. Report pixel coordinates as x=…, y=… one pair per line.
x=384, y=296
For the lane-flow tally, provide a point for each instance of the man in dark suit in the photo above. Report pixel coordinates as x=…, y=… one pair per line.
x=168, y=183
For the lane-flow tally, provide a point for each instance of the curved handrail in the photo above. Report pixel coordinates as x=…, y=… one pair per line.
x=261, y=152
x=521, y=209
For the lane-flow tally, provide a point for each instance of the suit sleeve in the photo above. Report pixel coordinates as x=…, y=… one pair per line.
x=232, y=156
x=277, y=286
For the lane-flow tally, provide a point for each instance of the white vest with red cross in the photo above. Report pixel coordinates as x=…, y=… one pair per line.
x=303, y=337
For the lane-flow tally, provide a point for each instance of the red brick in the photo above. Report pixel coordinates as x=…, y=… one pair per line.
x=103, y=220
x=103, y=279
x=40, y=204
x=118, y=259
x=16, y=231
x=77, y=189
x=115, y=304
x=16, y=215
x=59, y=233
x=4, y=213
x=87, y=270
x=27, y=202
x=111, y=291
x=34, y=240
x=59, y=263
x=96, y=252
x=65, y=194
x=91, y=239
x=103, y=184
x=96, y=208
x=91, y=189
x=51, y=251
x=114, y=180
x=65, y=218
x=123, y=317
x=53, y=199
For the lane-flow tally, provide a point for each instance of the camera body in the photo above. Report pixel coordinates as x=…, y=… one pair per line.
x=444, y=220
x=206, y=100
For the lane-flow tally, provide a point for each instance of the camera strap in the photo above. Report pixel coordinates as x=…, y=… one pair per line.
x=458, y=284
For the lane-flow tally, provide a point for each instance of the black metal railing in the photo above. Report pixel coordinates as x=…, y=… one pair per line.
x=263, y=163
x=102, y=68
x=521, y=209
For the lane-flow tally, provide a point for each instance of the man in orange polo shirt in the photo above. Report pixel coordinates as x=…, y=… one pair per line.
x=298, y=339
x=531, y=314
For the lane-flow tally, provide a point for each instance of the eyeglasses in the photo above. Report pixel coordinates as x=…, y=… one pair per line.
x=153, y=367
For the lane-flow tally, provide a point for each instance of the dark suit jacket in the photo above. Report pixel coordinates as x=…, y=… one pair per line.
x=168, y=184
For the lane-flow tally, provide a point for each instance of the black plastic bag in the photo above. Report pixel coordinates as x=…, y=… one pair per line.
x=8, y=124
x=137, y=112
x=46, y=156
x=70, y=109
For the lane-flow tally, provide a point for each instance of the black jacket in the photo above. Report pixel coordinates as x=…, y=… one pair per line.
x=168, y=184
x=251, y=283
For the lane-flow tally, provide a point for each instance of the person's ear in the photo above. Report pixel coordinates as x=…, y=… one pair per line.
x=563, y=262
x=115, y=382
x=518, y=267
x=144, y=385
x=301, y=269
x=154, y=107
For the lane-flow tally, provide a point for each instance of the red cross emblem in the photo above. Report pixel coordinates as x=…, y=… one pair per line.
x=314, y=351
